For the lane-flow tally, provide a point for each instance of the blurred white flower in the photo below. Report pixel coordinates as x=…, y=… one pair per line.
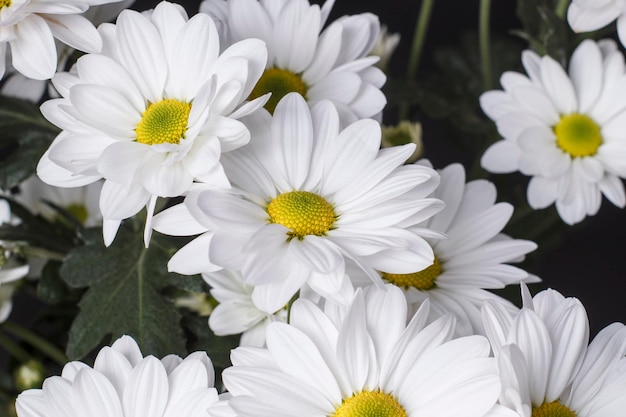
x=318, y=64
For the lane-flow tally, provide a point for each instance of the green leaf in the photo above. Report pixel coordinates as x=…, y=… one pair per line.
x=202, y=338
x=25, y=137
x=125, y=284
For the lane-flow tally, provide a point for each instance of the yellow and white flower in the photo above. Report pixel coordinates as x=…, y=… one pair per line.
x=153, y=113
x=566, y=131
x=318, y=64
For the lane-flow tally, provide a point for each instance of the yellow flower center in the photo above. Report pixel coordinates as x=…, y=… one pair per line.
x=163, y=122
x=279, y=82
x=79, y=211
x=423, y=280
x=5, y=3
x=553, y=409
x=370, y=404
x=303, y=212
x=578, y=135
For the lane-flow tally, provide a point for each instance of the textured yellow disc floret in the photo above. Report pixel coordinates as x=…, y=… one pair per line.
x=370, y=404
x=553, y=409
x=279, y=82
x=578, y=135
x=5, y=3
x=303, y=212
x=163, y=122
x=423, y=280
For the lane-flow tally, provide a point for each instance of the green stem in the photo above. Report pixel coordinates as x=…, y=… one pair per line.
x=561, y=8
x=13, y=348
x=485, y=45
x=36, y=341
x=416, y=50
x=418, y=38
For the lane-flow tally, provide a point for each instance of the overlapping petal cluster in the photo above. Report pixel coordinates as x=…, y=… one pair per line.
x=364, y=361
x=124, y=383
x=473, y=256
x=306, y=196
x=590, y=15
x=545, y=363
x=30, y=28
x=566, y=130
x=319, y=63
x=152, y=113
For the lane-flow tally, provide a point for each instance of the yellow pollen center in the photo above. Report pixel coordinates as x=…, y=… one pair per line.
x=5, y=3
x=279, y=82
x=163, y=122
x=578, y=135
x=79, y=211
x=370, y=404
x=553, y=409
x=423, y=280
x=303, y=212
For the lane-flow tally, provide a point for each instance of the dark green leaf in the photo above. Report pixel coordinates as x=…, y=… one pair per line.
x=125, y=284
x=50, y=287
x=202, y=338
x=25, y=137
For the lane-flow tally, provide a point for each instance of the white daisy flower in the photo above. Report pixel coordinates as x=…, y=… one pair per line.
x=17, y=85
x=472, y=258
x=236, y=312
x=30, y=27
x=153, y=113
x=123, y=383
x=590, y=15
x=370, y=364
x=566, y=131
x=319, y=64
x=305, y=196
x=81, y=202
x=546, y=367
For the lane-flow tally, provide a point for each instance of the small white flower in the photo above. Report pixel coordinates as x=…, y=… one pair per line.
x=385, y=46
x=306, y=196
x=153, y=113
x=545, y=365
x=566, y=131
x=124, y=383
x=319, y=64
x=370, y=363
x=31, y=26
x=473, y=257
x=590, y=15
x=236, y=312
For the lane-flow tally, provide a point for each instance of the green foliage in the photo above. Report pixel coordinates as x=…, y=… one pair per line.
x=125, y=285
x=25, y=137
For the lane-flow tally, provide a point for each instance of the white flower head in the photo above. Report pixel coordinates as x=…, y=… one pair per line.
x=385, y=46
x=236, y=312
x=82, y=202
x=546, y=366
x=590, y=15
x=30, y=28
x=152, y=113
x=371, y=363
x=319, y=64
x=473, y=257
x=306, y=196
x=566, y=131
x=124, y=383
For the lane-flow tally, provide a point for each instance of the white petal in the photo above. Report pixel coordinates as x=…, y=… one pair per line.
x=33, y=50
x=147, y=389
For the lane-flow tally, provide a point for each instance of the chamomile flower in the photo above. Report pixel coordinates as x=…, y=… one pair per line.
x=236, y=312
x=590, y=15
x=371, y=363
x=124, y=383
x=566, y=131
x=473, y=258
x=546, y=367
x=153, y=113
x=30, y=27
x=307, y=195
x=318, y=64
